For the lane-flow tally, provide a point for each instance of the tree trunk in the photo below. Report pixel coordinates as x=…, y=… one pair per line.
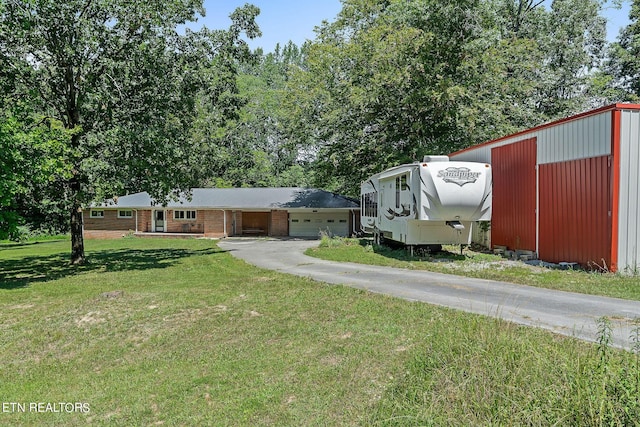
x=77, y=239
x=75, y=186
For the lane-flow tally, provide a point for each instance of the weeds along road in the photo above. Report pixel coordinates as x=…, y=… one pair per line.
x=565, y=313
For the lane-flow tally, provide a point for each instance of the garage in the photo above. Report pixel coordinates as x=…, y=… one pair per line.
x=309, y=224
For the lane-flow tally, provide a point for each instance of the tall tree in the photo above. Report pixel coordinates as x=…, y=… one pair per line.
x=624, y=63
x=10, y=159
x=254, y=149
x=573, y=41
x=392, y=80
x=31, y=149
x=533, y=62
x=380, y=86
x=126, y=85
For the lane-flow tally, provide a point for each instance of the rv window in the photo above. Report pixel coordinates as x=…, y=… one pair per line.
x=370, y=204
x=403, y=183
x=373, y=201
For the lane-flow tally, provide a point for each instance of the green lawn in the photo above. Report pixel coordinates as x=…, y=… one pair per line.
x=178, y=332
x=482, y=265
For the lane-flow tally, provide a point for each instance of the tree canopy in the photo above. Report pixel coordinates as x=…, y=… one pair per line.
x=392, y=80
x=126, y=85
x=624, y=63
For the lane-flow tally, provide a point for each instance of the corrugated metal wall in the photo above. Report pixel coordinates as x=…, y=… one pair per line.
x=585, y=137
x=581, y=216
x=576, y=139
x=575, y=225
x=629, y=195
x=513, y=222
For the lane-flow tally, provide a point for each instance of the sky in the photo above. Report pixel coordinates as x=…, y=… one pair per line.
x=279, y=20
x=284, y=20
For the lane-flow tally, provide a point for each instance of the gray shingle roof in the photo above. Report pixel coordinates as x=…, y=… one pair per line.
x=244, y=198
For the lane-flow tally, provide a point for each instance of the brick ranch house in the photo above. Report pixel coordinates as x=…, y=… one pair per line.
x=224, y=212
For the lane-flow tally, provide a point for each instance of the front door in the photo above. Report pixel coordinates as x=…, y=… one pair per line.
x=158, y=217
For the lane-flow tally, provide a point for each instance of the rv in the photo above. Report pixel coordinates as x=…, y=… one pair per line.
x=426, y=204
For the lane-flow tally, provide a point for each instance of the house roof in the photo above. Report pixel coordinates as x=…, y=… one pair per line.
x=242, y=198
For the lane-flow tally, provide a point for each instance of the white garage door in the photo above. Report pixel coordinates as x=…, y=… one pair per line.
x=310, y=224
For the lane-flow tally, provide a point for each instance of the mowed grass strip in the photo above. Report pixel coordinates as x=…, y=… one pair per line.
x=481, y=265
x=178, y=332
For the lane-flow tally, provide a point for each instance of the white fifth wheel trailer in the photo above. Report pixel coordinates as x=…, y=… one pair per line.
x=430, y=203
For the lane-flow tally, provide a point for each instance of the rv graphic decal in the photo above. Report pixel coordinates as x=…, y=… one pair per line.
x=459, y=176
x=391, y=214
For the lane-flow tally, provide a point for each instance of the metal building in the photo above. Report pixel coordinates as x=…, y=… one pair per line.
x=569, y=190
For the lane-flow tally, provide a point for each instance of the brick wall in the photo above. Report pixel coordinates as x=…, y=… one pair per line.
x=110, y=226
x=214, y=223
x=279, y=223
x=209, y=222
x=144, y=221
x=184, y=225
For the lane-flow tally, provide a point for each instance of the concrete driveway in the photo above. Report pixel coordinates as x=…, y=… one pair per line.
x=561, y=312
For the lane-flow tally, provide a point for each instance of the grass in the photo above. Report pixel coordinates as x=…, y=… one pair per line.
x=481, y=265
x=177, y=332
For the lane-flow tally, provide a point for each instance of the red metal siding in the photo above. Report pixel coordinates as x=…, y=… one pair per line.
x=575, y=225
x=513, y=222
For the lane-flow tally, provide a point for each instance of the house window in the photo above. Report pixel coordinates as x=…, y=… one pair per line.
x=125, y=214
x=96, y=214
x=185, y=215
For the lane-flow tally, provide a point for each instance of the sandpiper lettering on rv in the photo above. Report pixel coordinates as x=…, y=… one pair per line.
x=459, y=176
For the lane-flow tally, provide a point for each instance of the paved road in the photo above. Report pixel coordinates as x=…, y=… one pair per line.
x=561, y=312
